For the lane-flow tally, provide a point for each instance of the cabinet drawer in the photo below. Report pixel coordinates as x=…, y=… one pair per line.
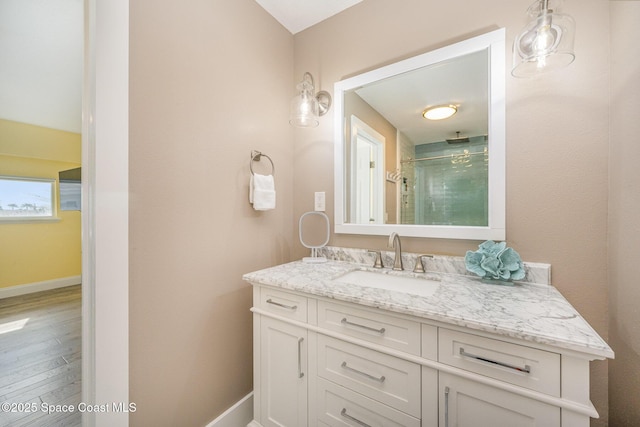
x=520, y=365
x=338, y=406
x=372, y=326
x=284, y=304
x=387, y=379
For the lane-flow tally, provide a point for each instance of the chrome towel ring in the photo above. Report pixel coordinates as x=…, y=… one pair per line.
x=256, y=156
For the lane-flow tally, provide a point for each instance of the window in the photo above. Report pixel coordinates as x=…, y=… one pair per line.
x=26, y=198
x=70, y=189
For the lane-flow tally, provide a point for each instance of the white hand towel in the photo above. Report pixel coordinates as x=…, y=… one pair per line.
x=262, y=192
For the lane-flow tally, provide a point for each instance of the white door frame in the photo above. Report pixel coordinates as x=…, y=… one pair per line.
x=105, y=211
x=361, y=129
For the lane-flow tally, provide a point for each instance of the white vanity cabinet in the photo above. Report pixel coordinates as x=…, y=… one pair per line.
x=323, y=362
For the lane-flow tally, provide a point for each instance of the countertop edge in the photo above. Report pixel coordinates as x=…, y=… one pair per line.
x=601, y=351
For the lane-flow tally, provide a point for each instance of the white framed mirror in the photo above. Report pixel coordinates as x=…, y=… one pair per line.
x=441, y=178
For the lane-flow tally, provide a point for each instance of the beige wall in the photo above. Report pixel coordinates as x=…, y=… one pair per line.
x=624, y=205
x=557, y=136
x=209, y=82
x=212, y=81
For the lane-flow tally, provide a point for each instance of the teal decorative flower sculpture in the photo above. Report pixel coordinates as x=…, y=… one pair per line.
x=495, y=261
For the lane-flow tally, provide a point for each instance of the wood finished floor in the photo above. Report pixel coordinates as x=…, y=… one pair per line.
x=40, y=354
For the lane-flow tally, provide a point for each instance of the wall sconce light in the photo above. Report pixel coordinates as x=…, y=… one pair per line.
x=439, y=112
x=546, y=43
x=306, y=107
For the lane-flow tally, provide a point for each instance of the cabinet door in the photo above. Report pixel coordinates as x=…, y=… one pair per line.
x=429, y=397
x=465, y=403
x=283, y=371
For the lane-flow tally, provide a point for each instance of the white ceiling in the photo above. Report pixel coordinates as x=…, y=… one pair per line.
x=297, y=15
x=461, y=82
x=41, y=54
x=41, y=44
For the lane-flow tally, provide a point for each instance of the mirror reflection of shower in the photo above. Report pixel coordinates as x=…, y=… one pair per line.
x=445, y=183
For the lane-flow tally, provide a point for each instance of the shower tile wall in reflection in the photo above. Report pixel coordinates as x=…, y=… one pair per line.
x=446, y=184
x=407, y=183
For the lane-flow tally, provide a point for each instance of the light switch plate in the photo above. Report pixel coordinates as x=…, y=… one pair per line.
x=319, y=204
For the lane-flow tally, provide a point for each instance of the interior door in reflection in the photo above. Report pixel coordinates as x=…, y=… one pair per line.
x=369, y=183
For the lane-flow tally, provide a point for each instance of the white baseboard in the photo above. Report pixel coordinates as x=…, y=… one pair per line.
x=239, y=415
x=47, y=285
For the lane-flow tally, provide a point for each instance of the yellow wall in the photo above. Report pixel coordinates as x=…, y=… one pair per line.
x=20, y=139
x=33, y=252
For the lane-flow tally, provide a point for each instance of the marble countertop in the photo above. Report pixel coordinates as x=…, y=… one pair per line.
x=531, y=312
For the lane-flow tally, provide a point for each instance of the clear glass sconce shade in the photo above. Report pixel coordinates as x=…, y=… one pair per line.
x=545, y=44
x=306, y=107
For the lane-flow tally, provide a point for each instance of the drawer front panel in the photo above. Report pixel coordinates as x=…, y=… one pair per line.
x=375, y=327
x=284, y=304
x=338, y=406
x=387, y=379
x=520, y=365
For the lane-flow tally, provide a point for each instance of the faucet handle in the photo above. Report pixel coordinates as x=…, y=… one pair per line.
x=378, y=262
x=419, y=267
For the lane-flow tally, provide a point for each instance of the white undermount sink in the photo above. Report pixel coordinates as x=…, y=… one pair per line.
x=371, y=279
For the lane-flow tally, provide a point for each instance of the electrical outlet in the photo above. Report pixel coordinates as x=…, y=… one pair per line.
x=319, y=201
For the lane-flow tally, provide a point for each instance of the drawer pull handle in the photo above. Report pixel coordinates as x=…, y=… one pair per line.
x=344, y=321
x=288, y=307
x=364, y=374
x=446, y=407
x=354, y=419
x=526, y=369
x=300, y=373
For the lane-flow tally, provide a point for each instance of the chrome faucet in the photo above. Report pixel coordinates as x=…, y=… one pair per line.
x=394, y=242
